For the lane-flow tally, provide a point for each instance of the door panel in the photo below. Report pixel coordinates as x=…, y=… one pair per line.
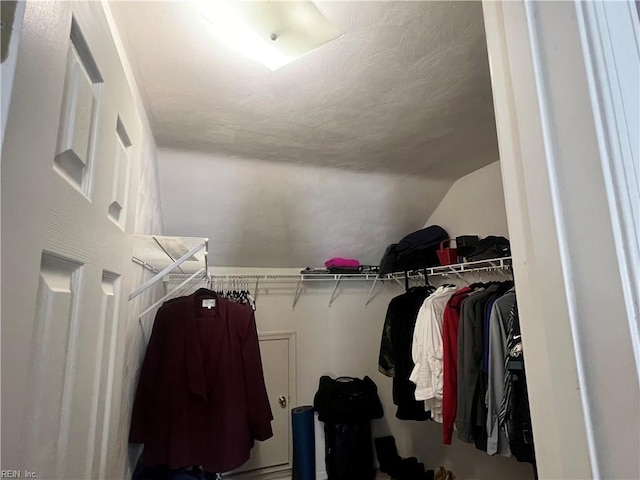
x=275, y=355
x=79, y=111
x=96, y=458
x=56, y=312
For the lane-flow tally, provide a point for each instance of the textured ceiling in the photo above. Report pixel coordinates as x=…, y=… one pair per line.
x=406, y=89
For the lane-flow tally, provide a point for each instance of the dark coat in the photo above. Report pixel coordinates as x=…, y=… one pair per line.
x=201, y=397
x=395, y=358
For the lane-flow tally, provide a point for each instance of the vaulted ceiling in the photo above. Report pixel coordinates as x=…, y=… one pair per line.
x=405, y=91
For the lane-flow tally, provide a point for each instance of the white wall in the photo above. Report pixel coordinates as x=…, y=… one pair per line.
x=270, y=214
x=474, y=205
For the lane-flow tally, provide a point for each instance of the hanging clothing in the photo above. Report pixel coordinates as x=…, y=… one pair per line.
x=498, y=323
x=482, y=318
x=201, y=398
x=515, y=416
x=450, y=323
x=426, y=351
x=395, y=351
x=469, y=353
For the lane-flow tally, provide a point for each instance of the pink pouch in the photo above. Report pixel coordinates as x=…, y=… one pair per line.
x=342, y=262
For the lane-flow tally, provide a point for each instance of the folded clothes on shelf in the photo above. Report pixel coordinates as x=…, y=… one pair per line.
x=345, y=270
x=342, y=262
x=315, y=271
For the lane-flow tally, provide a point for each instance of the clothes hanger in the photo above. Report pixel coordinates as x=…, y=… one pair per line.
x=204, y=291
x=431, y=288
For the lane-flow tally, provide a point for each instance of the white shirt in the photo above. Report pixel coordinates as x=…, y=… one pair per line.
x=426, y=351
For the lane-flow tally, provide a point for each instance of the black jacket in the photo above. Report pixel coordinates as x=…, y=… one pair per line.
x=395, y=351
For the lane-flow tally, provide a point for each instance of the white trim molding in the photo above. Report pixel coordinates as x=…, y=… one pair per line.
x=610, y=33
x=570, y=237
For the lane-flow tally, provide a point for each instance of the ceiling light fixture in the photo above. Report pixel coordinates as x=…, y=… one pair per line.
x=273, y=33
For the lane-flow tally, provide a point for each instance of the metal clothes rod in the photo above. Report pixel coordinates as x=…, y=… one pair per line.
x=144, y=264
x=159, y=276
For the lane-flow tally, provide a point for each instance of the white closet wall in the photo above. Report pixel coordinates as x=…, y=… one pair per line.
x=271, y=214
x=474, y=205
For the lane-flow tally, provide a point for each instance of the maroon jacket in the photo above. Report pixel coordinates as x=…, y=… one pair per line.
x=450, y=326
x=201, y=398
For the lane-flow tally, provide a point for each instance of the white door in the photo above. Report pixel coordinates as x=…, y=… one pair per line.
x=71, y=138
x=278, y=363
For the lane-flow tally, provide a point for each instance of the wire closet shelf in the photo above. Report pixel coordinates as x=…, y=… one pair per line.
x=457, y=270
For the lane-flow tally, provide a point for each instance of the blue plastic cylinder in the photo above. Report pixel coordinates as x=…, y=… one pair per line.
x=304, y=449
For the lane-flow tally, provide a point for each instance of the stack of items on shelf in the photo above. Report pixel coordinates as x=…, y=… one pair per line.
x=431, y=246
x=456, y=358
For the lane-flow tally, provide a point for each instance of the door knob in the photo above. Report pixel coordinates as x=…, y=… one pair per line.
x=283, y=401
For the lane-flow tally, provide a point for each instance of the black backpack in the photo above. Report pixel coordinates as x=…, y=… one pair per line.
x=428, y=238
x=420, y=249
x=415, y=251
